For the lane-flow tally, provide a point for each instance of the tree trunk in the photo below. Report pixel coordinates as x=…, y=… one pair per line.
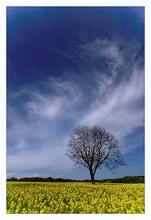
x=92, y=177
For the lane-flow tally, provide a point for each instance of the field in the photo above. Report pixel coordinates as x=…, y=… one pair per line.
x=27, y=197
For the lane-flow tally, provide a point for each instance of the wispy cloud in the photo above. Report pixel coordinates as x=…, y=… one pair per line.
x=118, y=97
x=49, y=155
x=37, y=138
x=40, y=122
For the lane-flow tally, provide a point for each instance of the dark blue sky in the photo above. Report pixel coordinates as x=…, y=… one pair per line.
x=68, y=66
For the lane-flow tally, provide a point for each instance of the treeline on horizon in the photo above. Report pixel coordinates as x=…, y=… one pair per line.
x=126, y=179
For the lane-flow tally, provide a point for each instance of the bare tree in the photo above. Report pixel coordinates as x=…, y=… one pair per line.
x=94, y=147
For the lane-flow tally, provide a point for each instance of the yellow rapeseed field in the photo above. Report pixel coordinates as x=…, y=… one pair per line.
x=27, y=197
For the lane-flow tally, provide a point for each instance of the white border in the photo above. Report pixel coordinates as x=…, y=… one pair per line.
x=73, y=3
x=3, y=5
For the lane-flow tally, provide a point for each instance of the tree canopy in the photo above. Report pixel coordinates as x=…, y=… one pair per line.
x=93, y=147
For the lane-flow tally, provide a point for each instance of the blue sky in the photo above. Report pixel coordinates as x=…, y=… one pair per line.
x=68, y=66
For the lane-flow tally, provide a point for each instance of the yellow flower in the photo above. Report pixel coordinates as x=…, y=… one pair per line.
x=74, y=198
x=41, y=211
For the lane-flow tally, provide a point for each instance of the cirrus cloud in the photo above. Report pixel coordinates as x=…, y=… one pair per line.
x=45, y=114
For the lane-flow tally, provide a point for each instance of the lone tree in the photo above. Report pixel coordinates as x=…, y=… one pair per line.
x=93, y=147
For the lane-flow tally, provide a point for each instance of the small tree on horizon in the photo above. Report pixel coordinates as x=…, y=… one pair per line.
x=93, y=147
